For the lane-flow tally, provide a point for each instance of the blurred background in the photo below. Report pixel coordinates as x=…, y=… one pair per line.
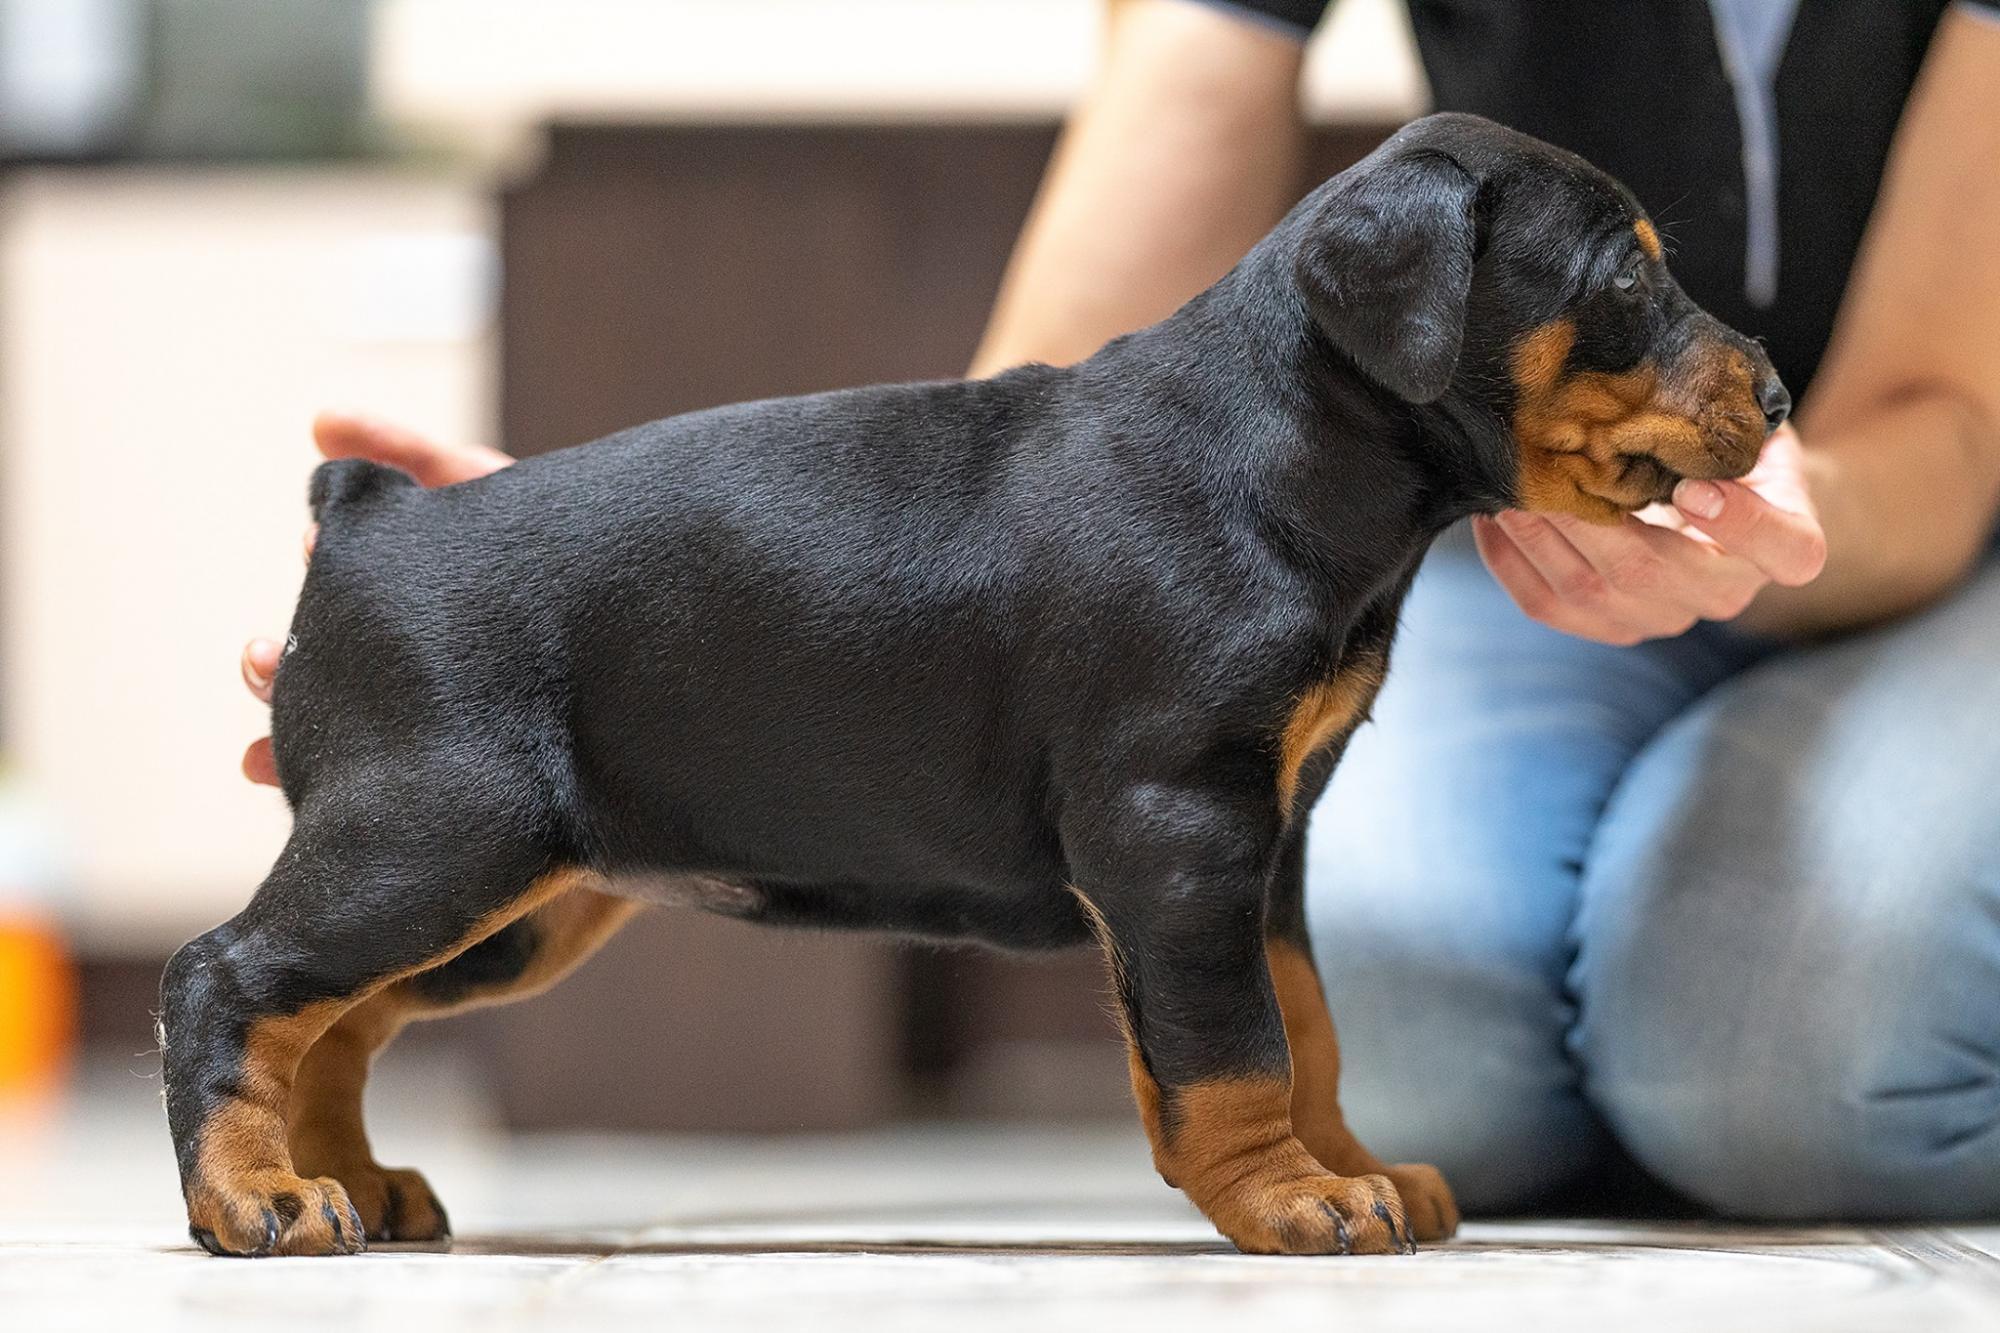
x=517, y=221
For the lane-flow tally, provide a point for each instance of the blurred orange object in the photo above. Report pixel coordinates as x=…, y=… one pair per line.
x=37, y=1004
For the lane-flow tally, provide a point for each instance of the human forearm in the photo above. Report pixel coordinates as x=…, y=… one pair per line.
x=1184, y=153
x=1907, y=496
x=1902, y=423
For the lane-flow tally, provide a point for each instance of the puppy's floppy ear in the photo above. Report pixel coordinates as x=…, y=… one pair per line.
x=1386, y=267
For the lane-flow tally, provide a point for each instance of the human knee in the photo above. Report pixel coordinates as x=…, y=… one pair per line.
x=1812, y=1143
x=1832, y=1083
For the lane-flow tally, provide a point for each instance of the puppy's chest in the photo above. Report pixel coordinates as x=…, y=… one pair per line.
x=1324, y=712
x=1332, y=696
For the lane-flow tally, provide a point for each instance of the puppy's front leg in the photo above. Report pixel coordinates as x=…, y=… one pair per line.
x=1316, y=1117
x=1175, y=884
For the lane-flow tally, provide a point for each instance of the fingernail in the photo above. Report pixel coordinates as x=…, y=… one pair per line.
x=1703, y=499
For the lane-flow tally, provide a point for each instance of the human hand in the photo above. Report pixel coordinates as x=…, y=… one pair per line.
x=337, y=435
x=1657, y=573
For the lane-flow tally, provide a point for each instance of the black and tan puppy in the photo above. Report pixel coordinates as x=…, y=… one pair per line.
x=1062, y=653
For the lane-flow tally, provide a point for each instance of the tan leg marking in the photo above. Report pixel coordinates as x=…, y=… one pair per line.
x=1228, y=1145
x=328, y=1133
x=1315, y=1052
x=245, y=1191
x=1315, y=1104
x=328, y=1136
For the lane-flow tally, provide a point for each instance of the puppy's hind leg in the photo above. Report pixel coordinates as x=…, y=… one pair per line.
x=377, y=882
x=328, y=1134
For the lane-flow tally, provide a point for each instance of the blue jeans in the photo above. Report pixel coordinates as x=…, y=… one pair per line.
x=1733, y=912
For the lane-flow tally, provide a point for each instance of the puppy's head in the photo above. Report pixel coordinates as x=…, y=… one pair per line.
x=1465, y=264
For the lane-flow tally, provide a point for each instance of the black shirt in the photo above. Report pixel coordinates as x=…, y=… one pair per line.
x=1763, y=177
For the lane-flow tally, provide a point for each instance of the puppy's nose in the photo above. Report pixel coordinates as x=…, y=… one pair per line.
x=1776, y=402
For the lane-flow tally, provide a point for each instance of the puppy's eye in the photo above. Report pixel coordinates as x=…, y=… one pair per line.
x=1628, y=277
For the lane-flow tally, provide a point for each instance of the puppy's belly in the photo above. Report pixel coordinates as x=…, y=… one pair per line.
x=1006, y=917
x=709, y=893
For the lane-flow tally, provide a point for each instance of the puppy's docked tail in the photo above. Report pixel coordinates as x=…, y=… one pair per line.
x=345, y=481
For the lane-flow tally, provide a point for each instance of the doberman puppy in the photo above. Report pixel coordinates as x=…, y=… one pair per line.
x=1058, y=654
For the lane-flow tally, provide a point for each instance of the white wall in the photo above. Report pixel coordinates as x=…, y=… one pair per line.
x=485, y=69
x=164, y=340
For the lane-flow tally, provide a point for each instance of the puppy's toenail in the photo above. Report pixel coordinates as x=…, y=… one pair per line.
x=1389, y=1223
x=1340, y=1235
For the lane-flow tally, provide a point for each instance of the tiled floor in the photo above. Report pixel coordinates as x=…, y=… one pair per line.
x=959, y=1229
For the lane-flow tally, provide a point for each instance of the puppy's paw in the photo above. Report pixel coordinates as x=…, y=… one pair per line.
x=394, y=1203
x=275, y=1213
x=1316, y=1213
x=1427, y=1200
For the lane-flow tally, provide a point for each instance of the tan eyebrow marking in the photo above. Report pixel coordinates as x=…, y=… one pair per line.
x=1649, y=240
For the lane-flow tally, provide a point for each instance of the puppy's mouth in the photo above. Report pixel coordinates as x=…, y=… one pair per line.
x=1643, y=480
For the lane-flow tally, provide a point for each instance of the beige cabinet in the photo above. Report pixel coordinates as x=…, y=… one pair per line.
x=165, y=338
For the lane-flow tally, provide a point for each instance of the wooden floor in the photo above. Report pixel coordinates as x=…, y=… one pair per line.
x=939, y=1229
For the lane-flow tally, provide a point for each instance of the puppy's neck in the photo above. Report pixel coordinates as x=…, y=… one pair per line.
x=1340, y=453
